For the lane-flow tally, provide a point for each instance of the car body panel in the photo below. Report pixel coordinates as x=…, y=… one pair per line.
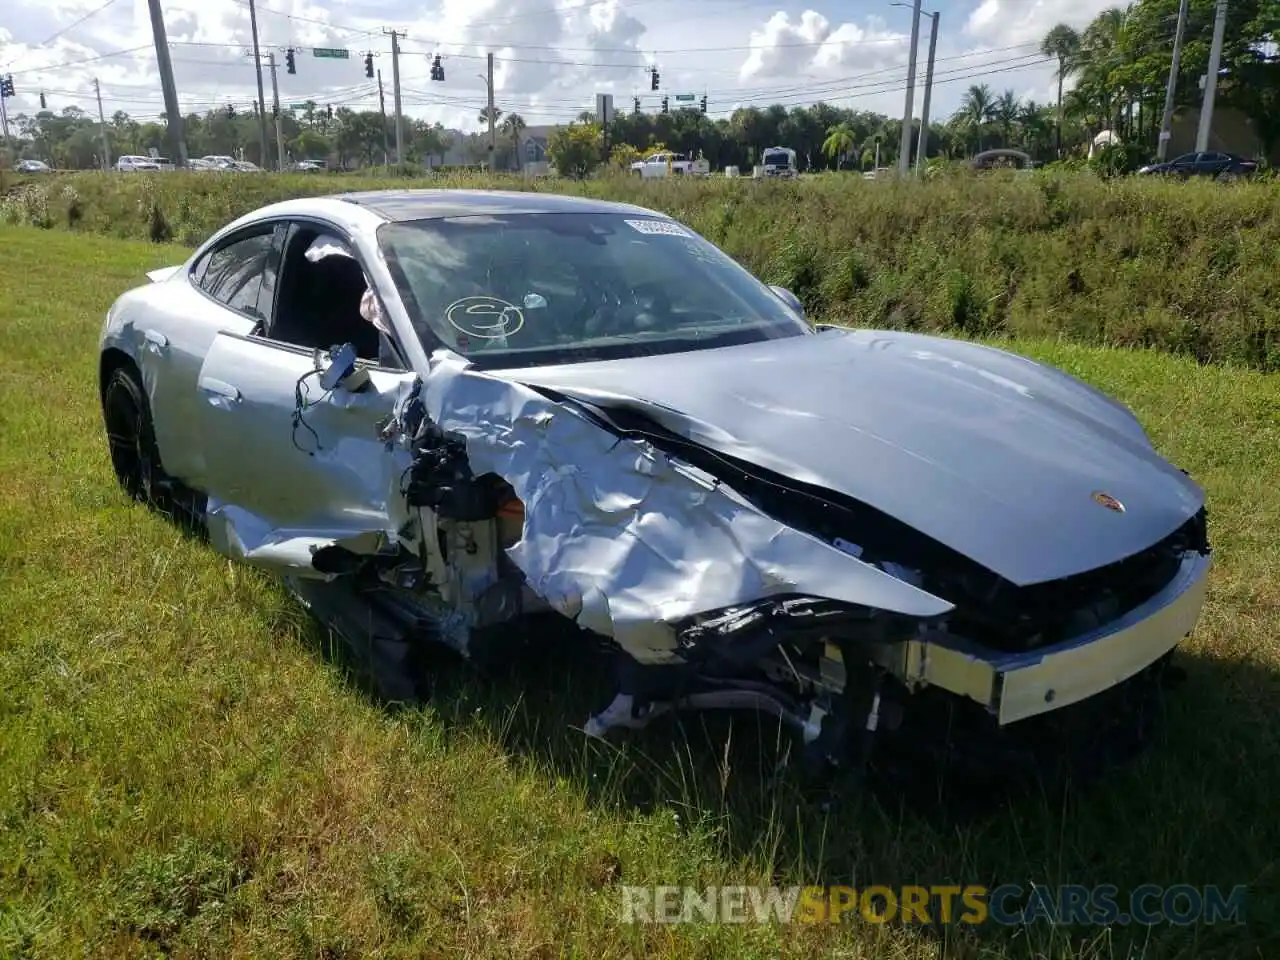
x=1015, y=687
x=168, y=326
x=992, y=455
x=315, y=470
x=626, y=541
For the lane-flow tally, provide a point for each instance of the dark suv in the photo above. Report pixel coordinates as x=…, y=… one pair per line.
x=1223, y=166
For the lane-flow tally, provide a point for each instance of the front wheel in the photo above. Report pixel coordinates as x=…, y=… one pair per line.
x=130, y=437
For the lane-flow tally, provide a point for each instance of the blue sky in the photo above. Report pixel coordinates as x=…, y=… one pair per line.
x=552, y=56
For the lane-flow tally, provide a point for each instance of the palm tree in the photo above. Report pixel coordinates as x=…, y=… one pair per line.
x=1005, y=112
x=839, y=143
x=1101, y=54
x=512, y=126
x=975, y=111
x=484, y=115
x=1063, y=43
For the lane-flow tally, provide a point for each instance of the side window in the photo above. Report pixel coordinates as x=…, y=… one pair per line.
x=235, y=273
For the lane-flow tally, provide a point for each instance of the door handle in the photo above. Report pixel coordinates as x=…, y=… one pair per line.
x=220, y=393
x=155, y=341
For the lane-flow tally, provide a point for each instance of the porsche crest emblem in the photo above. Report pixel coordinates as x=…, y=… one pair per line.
x=1108, y=501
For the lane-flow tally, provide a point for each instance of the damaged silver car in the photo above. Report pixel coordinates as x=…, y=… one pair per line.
x=435, y=413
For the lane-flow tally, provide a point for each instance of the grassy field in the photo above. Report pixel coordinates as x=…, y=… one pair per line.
x=186, y=771
x=1192, y=268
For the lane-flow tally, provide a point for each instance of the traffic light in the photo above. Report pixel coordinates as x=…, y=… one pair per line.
x=6, y=86
x=704, y=103
x=664, y=105
x=290, y=64
x=437, y=69
x=368, y=65
x=653, y=78
x=43, y=104
x=328, y=111
x=636, y=101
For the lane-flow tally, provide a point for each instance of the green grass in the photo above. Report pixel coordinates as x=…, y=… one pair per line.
x=185, y=771
x=1191, y=268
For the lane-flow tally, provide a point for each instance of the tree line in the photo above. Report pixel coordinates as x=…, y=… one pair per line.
x=1117, y=68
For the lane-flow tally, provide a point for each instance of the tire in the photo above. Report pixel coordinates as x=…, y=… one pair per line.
x=131, y=440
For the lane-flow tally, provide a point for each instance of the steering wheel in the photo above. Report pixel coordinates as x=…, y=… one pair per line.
x=653, y=305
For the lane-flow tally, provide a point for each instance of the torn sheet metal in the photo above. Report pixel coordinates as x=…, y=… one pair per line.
x=627, y=541
x=978, y=450
x=239, y=534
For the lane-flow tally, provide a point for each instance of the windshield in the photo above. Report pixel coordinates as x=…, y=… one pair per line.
x=529, y=289
x=777, y=158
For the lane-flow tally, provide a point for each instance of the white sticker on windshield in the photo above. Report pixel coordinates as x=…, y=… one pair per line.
x=659, y=228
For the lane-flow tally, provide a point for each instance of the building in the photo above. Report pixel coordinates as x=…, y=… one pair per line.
x=1230, y=132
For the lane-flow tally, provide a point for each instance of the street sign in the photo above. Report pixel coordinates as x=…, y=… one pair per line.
x=331, y=53
x=684, y=96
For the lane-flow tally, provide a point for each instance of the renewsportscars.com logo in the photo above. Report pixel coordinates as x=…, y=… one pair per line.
x=1006, y=905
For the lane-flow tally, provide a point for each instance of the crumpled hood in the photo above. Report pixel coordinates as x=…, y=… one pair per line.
x=991, y=454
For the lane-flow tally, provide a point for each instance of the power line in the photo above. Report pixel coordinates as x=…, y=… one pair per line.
x=67, y=29
x=75, y=63
x=835, y=89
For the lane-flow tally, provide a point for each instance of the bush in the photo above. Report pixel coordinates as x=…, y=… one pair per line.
x=1117, y=159
x=1186, y=267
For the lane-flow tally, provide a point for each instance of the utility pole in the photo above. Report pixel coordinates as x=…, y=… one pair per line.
x=395, y=93
x=4, y=121
x=102, y=128
x=1211, y=79
x=262, y=100
x=382, y=108
x=904, y=149
x=493, y=143
x=275, y=108
x=928, y=90
x=172, y=112
x=1166, y=120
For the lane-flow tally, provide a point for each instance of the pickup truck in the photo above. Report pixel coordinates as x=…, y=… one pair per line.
x=658, y=165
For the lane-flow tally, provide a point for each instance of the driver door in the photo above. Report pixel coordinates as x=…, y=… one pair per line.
x=290, y=466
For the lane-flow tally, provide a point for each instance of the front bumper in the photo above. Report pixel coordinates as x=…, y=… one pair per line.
x=1016, y=686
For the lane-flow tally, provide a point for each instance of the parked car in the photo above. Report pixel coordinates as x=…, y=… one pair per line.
x=130, y=164
x=219, y=162
x=1223, y=166
x=435, y=413
x=32, y=166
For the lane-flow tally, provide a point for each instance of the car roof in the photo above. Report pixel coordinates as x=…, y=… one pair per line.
x=401, y=205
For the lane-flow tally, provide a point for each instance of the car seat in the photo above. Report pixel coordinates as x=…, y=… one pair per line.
x=325, y=308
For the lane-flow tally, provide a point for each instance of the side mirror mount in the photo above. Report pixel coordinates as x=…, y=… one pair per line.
x=789, y=298
x=341, y=370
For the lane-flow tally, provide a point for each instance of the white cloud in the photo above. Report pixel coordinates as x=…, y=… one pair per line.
x=551, y=56
x=782, y=48
x=1020, y=21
